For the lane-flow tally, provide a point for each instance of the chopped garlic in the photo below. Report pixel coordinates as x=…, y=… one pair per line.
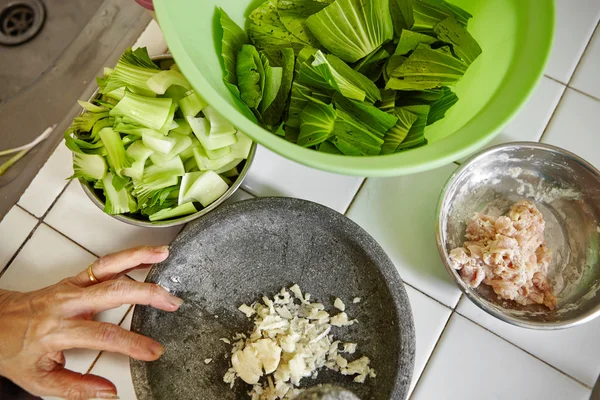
x=268, y=353
x=341, y=320
x=341, y=362
x=290, y=341
x=246, y=309
x=349, y=348
x=297, y=292
x=339, y=304
x=225, y=340
x=356, y=300
x=207, y=361
x=247, y=365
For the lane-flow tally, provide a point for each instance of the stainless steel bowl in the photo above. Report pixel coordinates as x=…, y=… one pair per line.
x=97, y=198
x=566, y=189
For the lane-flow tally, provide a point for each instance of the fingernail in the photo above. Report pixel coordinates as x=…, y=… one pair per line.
x=106, y=395
x=175, y=301
x=161, y=249
x=157, y=349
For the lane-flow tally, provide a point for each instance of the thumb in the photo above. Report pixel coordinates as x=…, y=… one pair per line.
x=71, y=385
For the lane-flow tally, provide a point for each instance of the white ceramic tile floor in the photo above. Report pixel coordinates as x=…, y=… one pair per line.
x=152, y=39
x=14, y=229
x=574, y=351
x=529, y=124
x=471, y=363
x=115, y=367
x=400, y=214
x=575, y=23
x=273, y=175
x=430, y=319
x=467, y=362
x=586, y=75
x=74, y=214
x=49, y=182
x=575, y=126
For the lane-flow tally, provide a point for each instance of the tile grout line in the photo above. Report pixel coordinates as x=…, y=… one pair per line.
x=568, y=84
x=355, y=196
x=129, y=309
x=558, y=104
x=14, y=256
x=587, y=46
x=455, y=309
x=430, y=356
x=525, y=351
x=573, y=88
x=70, y=239
x=432, y=298
x=27, y=211
x=583, y=93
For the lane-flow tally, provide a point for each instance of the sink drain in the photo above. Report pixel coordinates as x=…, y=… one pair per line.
x=20, y=21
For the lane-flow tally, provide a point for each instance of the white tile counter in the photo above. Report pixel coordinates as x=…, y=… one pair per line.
x=462, y=352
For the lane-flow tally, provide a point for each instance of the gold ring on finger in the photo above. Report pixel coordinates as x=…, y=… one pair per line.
x=91, y=275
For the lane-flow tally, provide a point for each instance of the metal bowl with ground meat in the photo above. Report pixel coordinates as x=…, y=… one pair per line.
x=566, y=191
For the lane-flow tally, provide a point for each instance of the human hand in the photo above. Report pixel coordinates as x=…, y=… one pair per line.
x=36, y=327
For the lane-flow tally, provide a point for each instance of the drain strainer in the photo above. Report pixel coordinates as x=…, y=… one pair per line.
x=20, y=21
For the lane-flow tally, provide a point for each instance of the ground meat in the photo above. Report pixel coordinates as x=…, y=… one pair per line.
x=509, y=254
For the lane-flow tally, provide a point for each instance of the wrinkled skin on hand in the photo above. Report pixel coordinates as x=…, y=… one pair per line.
x=36, y=327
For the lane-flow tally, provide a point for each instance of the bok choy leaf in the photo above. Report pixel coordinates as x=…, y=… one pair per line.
x=351, y=29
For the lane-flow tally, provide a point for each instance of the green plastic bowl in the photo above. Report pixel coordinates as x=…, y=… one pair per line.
x=516, y=37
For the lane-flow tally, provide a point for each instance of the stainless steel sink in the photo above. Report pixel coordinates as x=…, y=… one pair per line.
x=41, y=79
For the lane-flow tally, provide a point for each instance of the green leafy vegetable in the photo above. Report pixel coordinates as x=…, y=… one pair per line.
x=316, y=122
x=201, y=128
x=218, y=124
x=428, y=13
x=328, y=147
x=117, y=201
x=293, y=15
x=157, y=141
x=272, y=114
x=352, y=77
x=205, y=187
x=451, y=31
x=402, y=15
x=266, y=30
x=163, y=80
x=272, y=82
x=409, y=41
x=250, y=76
x=150, y=112
x=439, y=107
x=115, y=150
x=396, y=135
x=427, y=68
x=416, y=134
x=330, y=73
x=351, y=29
x=233, y=39
x=372, y=65
x=356, y=134
x=139, y=154
x=133, y=71
x=439, y=101
x=88, y=166
x=179, y=211
x=298, y=101
x=376, y=121
x=191, y=104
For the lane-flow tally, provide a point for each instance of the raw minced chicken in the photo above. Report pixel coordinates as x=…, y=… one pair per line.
x=291, y=341
x=509, y=254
